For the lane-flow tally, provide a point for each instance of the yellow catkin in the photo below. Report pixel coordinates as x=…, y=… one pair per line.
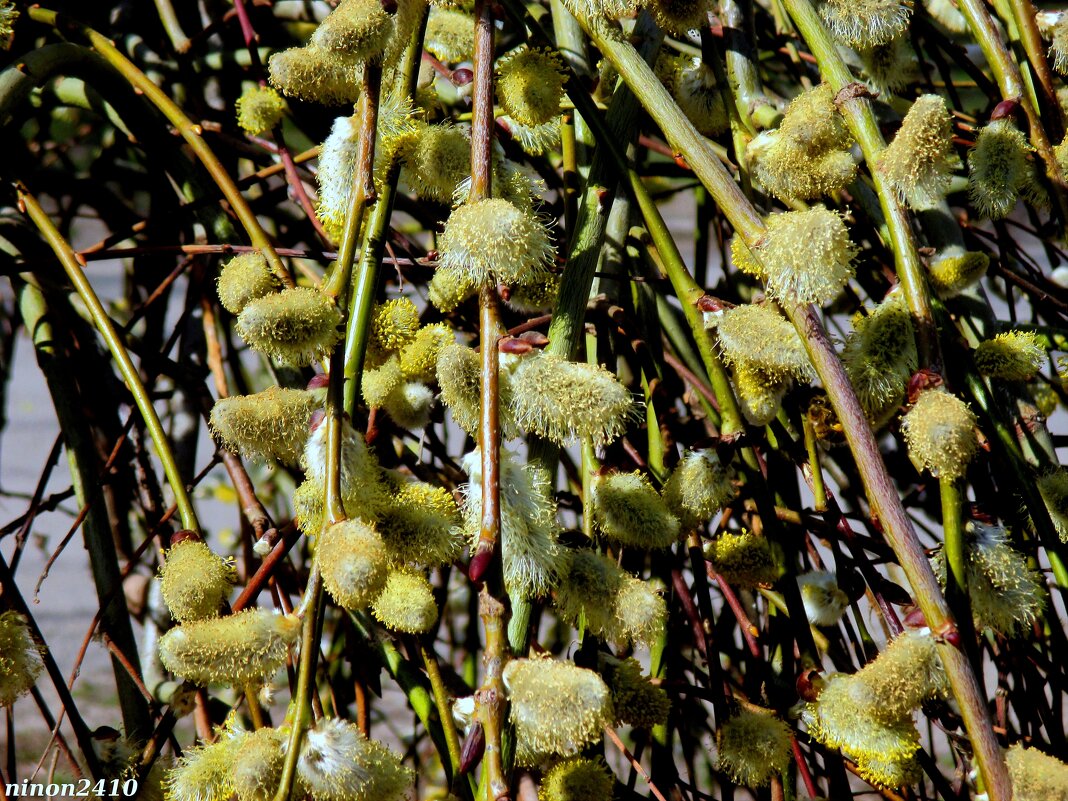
x=940, y=433
x=295, y=326
x=420, y=525
x=753, y=748
x=919, y=161
x=493, y=240
x=194, y=581
x=338, y=763
x=243, y=279
x=259, y=109
x=761, y=338
x=316, y=74
x=258, y=763
x=577, y=779
x=698, y=487
x=530, y=85
x=272, y=424
x=244, y=648
x=556, y=708
x=406, y=603
x=20, y=658
x=1011, y=356
x=626, y=509
x=354, y=563
x=636, y=700
x=1036, y=776
x=742, y=558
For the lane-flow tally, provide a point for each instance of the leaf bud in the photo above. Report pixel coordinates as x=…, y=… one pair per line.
x=354, y=562
x=754, y=748
x=295, y=326
x=940, y=433
x=698, y=487
x=244, y=279
x=1011, y=356
x=194, y=581
x=919, y=161
x=272, y=424
x=493, y=241
x=626, y=509
x=556, y=708
x=563, y=400
x=247, y=647
x=20, y=658
x=577, y=779
x=259, y=109
x=406, y=603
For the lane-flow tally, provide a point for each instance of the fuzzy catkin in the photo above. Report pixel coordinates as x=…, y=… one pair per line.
x=338, y=763
x=824, y=602
x=272, y=424
x=420, y=524
x=436, y=159
x=259, y=109
x=205, y=772
x=20, y=658
x=627, y=510
x=880, y=357
x=1011, y=356
x=954, y=270
x=919, y=161
x=698, y=487
x=564, y=400
x=243, y=279
x=194, y=581
x=742, y=558
x=753, y=748
x=865, y=23
x=577, y=779
x=247, y=647
x=295, y=326
x=316, y=74
x=636, y=700
x=406, y=603
x=1036, y=776
x=939, y=432
x=556, y=708
x=530, y=85
x=808, y=255
x=257, y=766
x=354, y=563
x=492, y=241
x=998, y=169
x=760, y=337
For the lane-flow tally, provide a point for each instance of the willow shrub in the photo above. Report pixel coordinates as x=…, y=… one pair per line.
x=617, y=512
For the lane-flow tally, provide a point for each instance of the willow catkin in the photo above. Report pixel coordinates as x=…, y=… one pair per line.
x=940, y=433
x=338, y=763
x=754, y=748
x=194, y=581
x=354, y=562
x=295, y=326
x=493, y=240
x=626, y=509
x=20, y=658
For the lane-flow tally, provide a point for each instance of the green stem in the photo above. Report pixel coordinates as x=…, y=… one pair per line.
x=858, y=114
x=67, y=258
x=189, y=131
x=309, y=650
x=956, y=558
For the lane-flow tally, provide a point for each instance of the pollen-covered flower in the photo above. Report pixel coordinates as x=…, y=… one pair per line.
x=409, y=405
x=742, y=558
x=999, y=169
x=354, y=562
x=940, y=433
x=753, y=748
x=808, y=155
x=880, y=357
x=597, y=593
x=316, y=74
x=890, y=67
x=626, y=509
x=20, y=658
x=955, y=269
x=636, y=700
x=808, y=255
x=694, y=87
x=393, y=325
x=338, y=763
x=247, y=647
x=556, y=708
x=493, y=241
x=272, y=424
x=206, y=772
x=360, y=29
x=406, y=603
x=761, y=338
x=194, y=581
x=420, y=525
x=259, y=109
x=1036, y=776
x=1053, y=487
x=257, y=765
x=531, y=556
x=824, y=601
x=530, y=84
x=759, y=394
x=436, y=159
x=361, y=475
x=564, y=400
x=1011, y=355
x=919, y=161
x=678, y=17
x=450, y=287
x=698, y=487
x=906, y=673
x=243, y=279
x=865, y=23
x=419, y=357
x=450, y=35
x=295, y=326
x=577, y=779
x=1006, y=594
x=742, y=258
x=459, y=377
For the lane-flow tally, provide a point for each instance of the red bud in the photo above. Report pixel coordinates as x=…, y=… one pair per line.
x=473, y=748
